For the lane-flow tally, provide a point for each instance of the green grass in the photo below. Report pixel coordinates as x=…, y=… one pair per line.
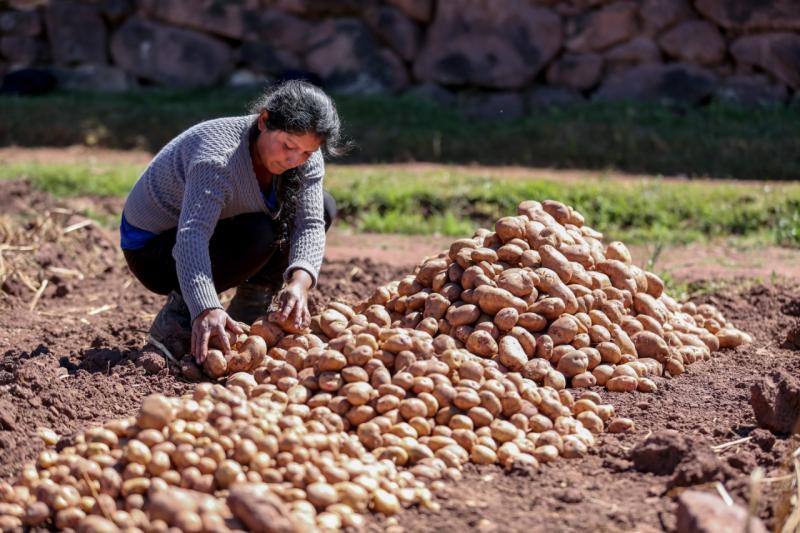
x=454, y=201
x=85, y=179
x=716, y=140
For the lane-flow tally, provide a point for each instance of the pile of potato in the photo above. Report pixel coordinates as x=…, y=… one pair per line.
x=543, y=296
x=222, y=458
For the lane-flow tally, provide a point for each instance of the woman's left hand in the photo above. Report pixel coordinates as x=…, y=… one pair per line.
x=293, y=301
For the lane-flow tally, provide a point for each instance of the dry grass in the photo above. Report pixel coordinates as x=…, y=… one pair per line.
x=39, y=248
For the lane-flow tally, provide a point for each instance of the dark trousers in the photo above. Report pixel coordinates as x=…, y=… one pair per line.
x=242, y=248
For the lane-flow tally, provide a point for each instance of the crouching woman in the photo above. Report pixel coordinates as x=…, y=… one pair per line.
x=235, y=202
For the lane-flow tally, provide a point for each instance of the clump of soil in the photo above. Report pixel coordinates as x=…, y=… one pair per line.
x=691, y=460
x=776, y=402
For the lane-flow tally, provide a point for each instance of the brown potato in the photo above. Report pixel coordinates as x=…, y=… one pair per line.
x=506, y=318
x=648, y=344
x=617, y=250
x=493, y=299
x=731, y=338
x=481, y=343
x=557, y=262
x=464, y=314
x=511, y=354
x=573, y=363
x=269, y=331
x=563, y=330
x=551, y=284
x=517, y=281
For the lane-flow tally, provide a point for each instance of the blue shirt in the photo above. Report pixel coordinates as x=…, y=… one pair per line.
x=133, y=238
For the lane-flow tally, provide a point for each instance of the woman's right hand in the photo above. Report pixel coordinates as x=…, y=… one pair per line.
x=211, y=323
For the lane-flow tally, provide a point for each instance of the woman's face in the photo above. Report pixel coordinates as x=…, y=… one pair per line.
x=279, y=151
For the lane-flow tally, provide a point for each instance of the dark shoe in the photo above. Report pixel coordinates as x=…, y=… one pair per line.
x=173, y=326
x=250, y=302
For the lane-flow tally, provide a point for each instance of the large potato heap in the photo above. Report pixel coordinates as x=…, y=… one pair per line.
x=542, y=296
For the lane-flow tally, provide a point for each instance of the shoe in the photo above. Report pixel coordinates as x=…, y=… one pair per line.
x=250, y=302
x=172, y=326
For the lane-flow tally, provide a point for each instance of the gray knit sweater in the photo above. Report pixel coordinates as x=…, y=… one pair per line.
x=204, y=175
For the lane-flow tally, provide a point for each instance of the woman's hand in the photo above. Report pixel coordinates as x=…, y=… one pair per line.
x=293, y=301
x=211, y=323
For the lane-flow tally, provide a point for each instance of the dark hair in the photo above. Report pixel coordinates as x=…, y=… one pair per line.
x=298, y=107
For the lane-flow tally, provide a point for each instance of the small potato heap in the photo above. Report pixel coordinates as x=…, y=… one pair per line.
x=239, y=457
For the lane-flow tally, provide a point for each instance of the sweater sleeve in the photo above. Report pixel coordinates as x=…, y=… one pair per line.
x=307, y=239
x=204, y=196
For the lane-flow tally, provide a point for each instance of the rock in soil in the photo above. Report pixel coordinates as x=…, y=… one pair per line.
x=776, y=402
x=8, y=416
x=793, y=337
x=661, y=452
x=700, y=512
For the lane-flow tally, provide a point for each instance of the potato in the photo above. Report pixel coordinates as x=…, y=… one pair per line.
x=620, y=425
x=525, y=339
x=506, y=318
x=622, y=340
x=550, y=308
x=517, y=281
x=493, y=299
x=557, y=262
x=648, y=344
x=622, y=384
x=647, y=305
x=459, y=245
x=463, y=314
x=436, y=306
x=731, y=338
x=532, y=322
x=551, y=284
x=646, y=385
x=332, y=322
x=530, y=259
x=573, y=363
x=269, y=331
x=156, y=412
x=238, y=362
x=508, y=228
x=481, y=343
x=511, y=354
x=479, y=255
x=618, y=251
x=563, y=330
x=655, y=286
x=430, y=269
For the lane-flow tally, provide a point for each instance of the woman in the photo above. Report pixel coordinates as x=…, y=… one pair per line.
x=234, y=202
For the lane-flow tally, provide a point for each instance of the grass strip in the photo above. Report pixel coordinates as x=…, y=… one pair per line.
x=454, y=200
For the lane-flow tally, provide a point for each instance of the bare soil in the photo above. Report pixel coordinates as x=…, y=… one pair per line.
x=75, y=361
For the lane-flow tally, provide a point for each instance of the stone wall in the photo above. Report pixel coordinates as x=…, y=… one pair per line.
x=500, y=54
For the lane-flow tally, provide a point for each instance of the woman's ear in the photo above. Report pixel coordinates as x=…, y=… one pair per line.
x=262, y=120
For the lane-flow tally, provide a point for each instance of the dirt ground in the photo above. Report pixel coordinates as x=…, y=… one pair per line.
x=74, y=361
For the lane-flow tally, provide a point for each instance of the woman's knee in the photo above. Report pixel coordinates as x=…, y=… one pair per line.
x=329, y=208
